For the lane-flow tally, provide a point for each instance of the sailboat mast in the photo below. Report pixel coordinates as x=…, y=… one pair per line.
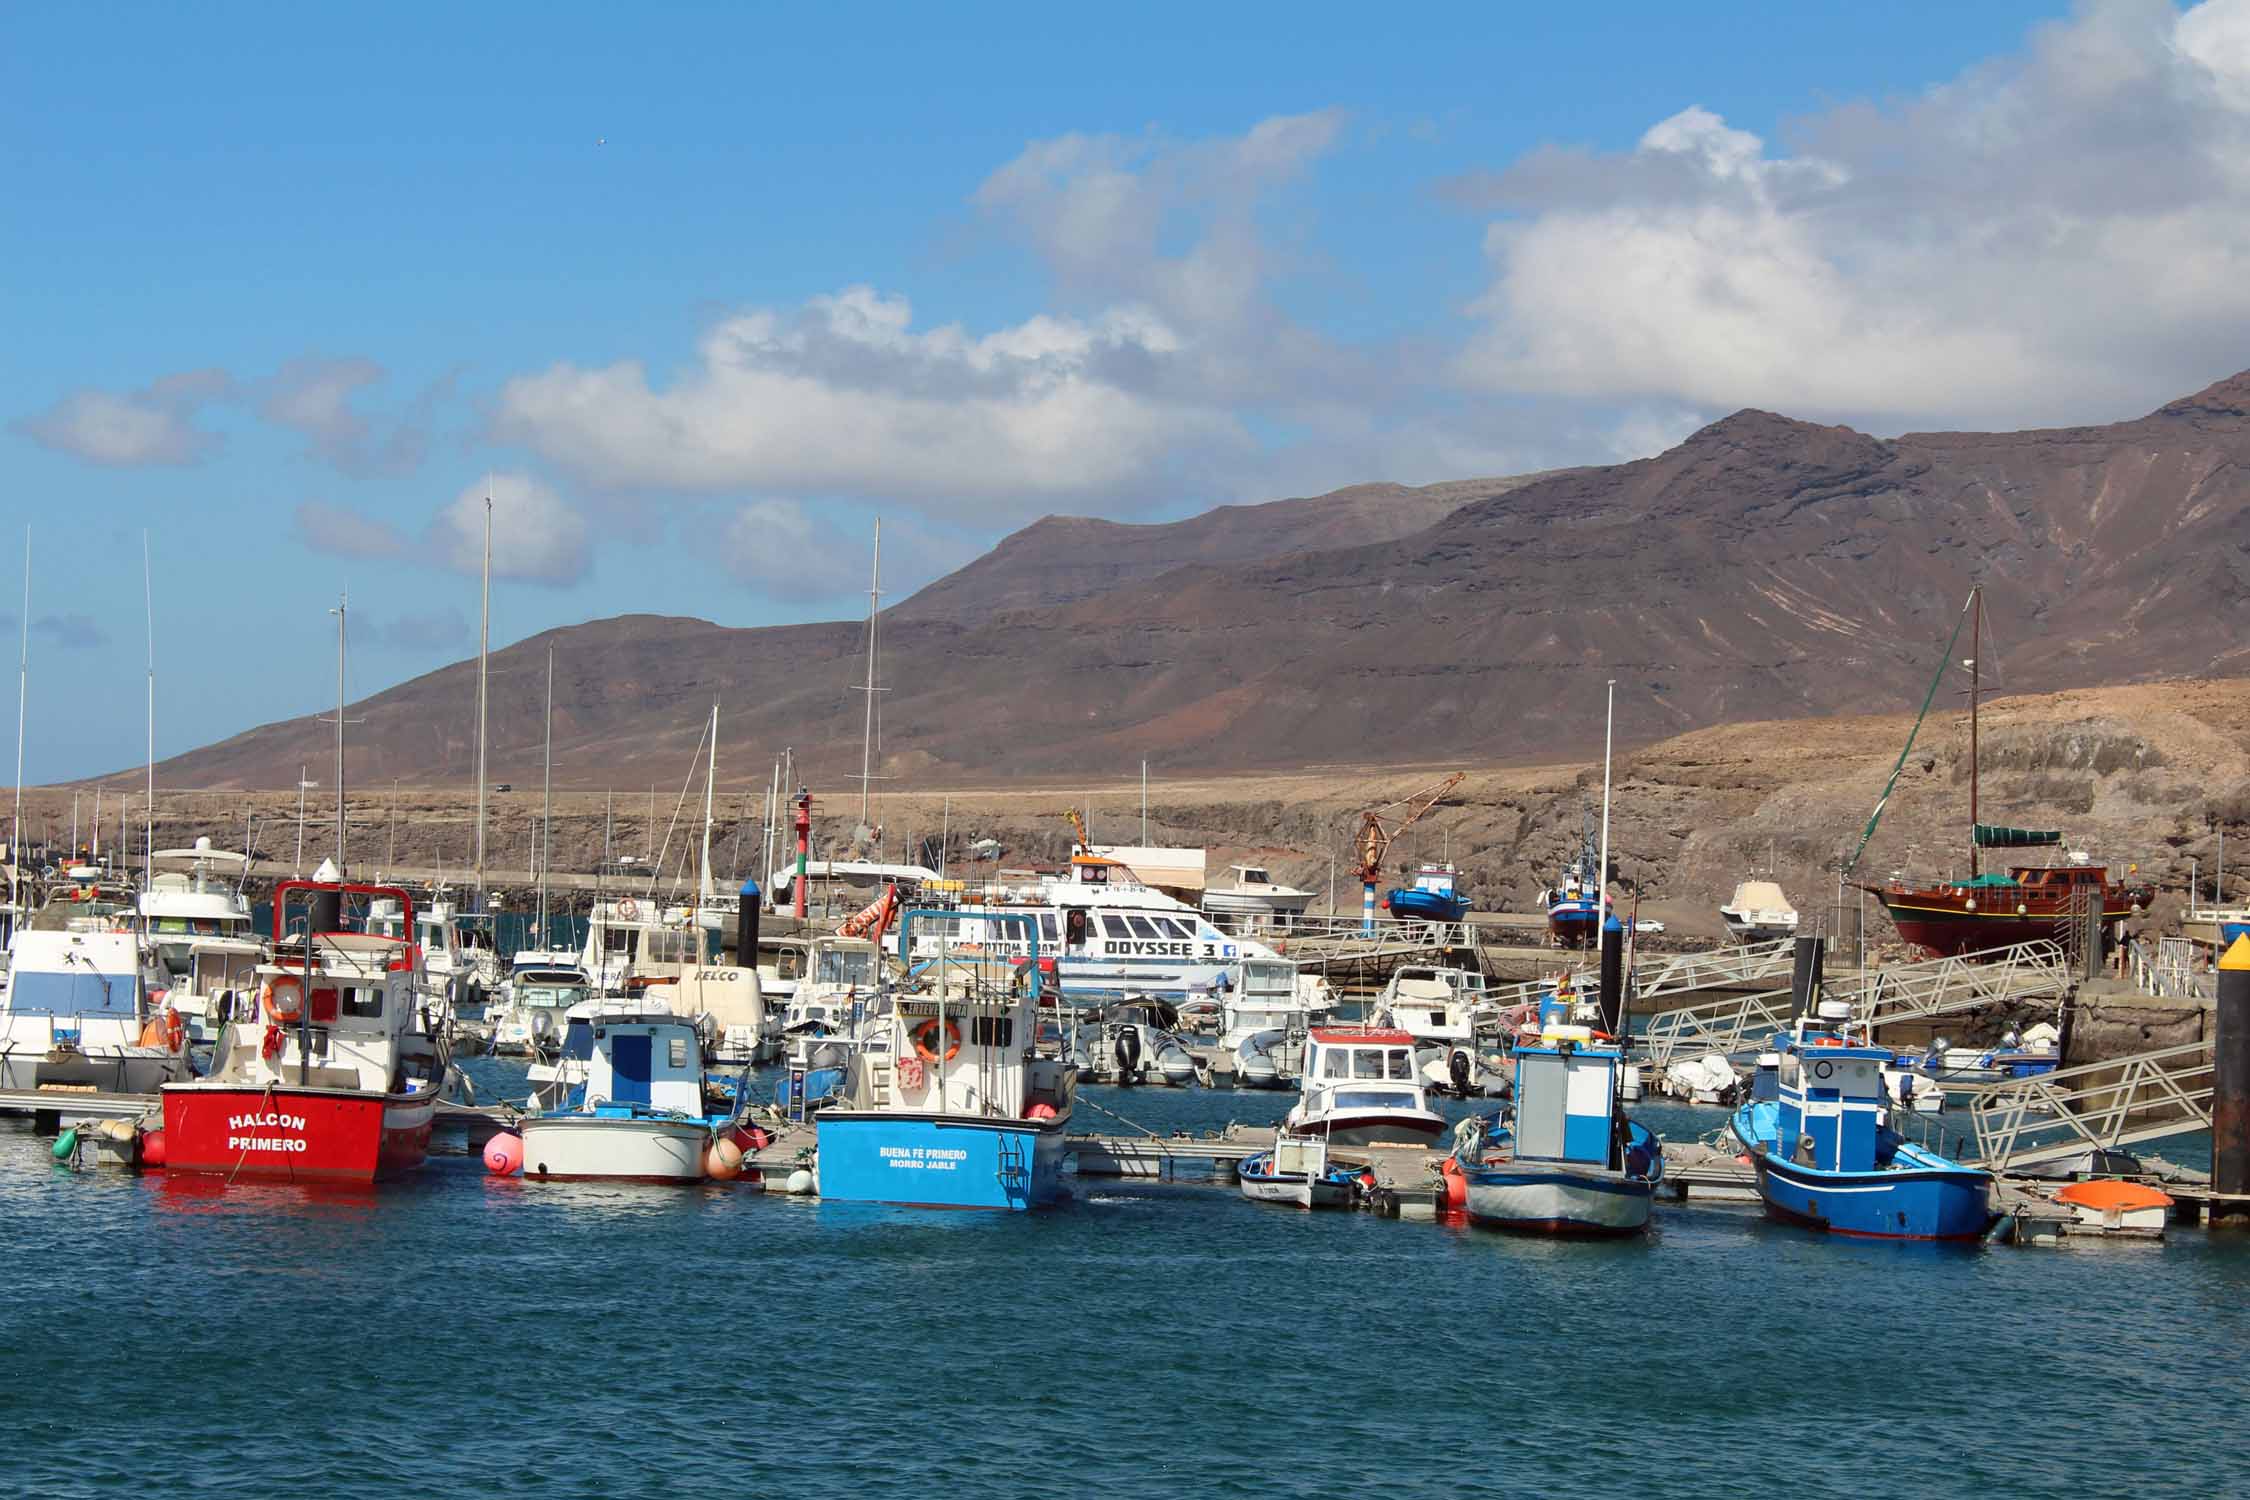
x=710, y=785
x=547, y=800
x=484, y=648
x=1601, y=878
x=867, y=733
x=343, y=603
x=148, y=608
x=23, y=700
x=1976, y=680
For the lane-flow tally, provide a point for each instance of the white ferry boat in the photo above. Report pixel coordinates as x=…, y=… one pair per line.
x=1110, y=936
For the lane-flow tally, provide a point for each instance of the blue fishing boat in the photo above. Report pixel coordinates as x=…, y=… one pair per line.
x=946, y=1103
x=1568, y=1161
x=1574, y=902
x=1435, y=896
x=1827, y=1158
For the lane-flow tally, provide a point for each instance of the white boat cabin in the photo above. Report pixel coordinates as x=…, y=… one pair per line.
x=1435, y=1003
x=637, y=1061
x=346, y=1017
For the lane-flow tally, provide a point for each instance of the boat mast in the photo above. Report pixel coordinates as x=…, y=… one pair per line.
x=484, y=648
x=710, y=785
x=1601, y=877
x=1976, y=677
x=343, y=603
x=148, y=609
x=547, y=800
x=23, y=699
x=867, y=732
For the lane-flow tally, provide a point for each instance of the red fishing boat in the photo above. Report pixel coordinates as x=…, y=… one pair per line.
x=1986, y=911
x=330, y=1073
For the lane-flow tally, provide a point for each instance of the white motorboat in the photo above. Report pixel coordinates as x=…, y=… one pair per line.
x=1255, y=898
x=1759, y=913
x=1362, y=1088
x=1709, y=1079
x=639, y=1115
x=1296, y=1171
x=77, y=1012
x=198, y=927
x=536, y=1001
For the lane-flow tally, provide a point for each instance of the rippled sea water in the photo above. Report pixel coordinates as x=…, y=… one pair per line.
x=460, y=1335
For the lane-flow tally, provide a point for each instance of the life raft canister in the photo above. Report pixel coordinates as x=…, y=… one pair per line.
x=923, y=1035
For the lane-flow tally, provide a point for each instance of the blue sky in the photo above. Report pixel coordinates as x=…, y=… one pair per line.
x=707, y=288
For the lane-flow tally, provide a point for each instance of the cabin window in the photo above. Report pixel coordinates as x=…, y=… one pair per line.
x=1114, y=929
x=363, y=1001
x=679, y=1052
x=1143, y=928
x=992, y=1031
x=1047, y=928
x=1402, y=1064
x=1367, y=1062
x=1252, y=875
x=1171, y=928
x=1335, y=1065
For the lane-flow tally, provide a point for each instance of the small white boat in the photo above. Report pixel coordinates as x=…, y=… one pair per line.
x=1362, y=1088
x=535, y=1003
x=1758, y=912
x=1256, y=897
x=639, y=1116
x=1709, y=1079
x=1297, y=1171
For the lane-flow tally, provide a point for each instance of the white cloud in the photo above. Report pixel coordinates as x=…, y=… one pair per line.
x=2063, y=233
x=1152, y=377
x=802, y=552
x=536, y=535
x=150, y=427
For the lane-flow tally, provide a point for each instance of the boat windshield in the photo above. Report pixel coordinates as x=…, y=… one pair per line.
x=855, y=966
x=1372, y=1098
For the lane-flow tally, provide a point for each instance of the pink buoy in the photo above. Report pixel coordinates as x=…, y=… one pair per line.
x=503, y=1154
x=723, y=1161
x=1040, y=1111
x=152, y=1148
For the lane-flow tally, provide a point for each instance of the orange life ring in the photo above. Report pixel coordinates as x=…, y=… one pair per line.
x=1830, y=1041
x=921, y=1035
x=175, y=1030
x=285, y=1000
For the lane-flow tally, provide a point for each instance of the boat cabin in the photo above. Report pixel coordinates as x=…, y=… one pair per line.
x=637, y=1061
x=1832, y=1102
x=337, y=1010
x=1266, y=1000
x=1566, y=1097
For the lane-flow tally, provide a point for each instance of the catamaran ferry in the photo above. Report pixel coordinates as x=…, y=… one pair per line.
x=1109, y=935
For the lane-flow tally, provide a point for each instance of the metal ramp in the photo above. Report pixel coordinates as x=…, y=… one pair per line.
x=1903, y=992
x=1319, y=940
x=1684, y=973
x=2021, y=1122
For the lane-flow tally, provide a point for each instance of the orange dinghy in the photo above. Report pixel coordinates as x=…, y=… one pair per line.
x=2117, y=1205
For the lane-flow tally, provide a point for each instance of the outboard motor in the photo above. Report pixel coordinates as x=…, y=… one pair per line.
x=1457, y=1068
x=1129, y=1054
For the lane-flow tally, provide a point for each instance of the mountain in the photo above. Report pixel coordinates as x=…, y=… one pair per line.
x=1764, y=568
x=1063, y=559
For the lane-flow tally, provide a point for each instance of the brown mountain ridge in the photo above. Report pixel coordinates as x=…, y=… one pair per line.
x=1764, y=568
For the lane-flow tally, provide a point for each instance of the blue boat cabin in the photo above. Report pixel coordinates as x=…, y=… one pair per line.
x=1831, y=1106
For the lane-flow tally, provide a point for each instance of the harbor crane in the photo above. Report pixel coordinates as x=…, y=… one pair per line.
x=1379, y=828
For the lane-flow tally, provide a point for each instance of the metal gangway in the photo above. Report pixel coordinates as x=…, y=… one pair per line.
x=1878, y=997
x=2022, y=1122
x=1731, y=968
x=1331, y=939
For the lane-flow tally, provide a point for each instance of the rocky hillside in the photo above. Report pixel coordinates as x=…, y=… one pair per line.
x=1765, y=568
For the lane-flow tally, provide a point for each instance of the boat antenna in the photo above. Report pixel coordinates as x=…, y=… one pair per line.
x=547, y=800
x=1976, y=682
x=148, y=832
x=343, y=604
x=484, y=648
x=23, y=691
x=867, y=777
x=1889, y=786
x=1601, y=877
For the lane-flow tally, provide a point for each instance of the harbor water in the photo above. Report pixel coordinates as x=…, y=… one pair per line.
x=458, y=1334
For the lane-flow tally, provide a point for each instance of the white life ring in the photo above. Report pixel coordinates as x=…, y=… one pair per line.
x=628, y=908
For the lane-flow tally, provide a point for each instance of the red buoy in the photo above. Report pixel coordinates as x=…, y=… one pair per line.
x=152, y=1147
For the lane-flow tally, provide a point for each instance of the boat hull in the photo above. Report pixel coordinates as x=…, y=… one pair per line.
x=117, y=1070
x=297, y=1134
x=1554, y=1198
x=1380, y=1127
x=1572, y=926
x=1940, y=924
x=586, y=1148
x=1427, y=906
x=1902, y=1204
x=1292, y=1188
x=939, y=1161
